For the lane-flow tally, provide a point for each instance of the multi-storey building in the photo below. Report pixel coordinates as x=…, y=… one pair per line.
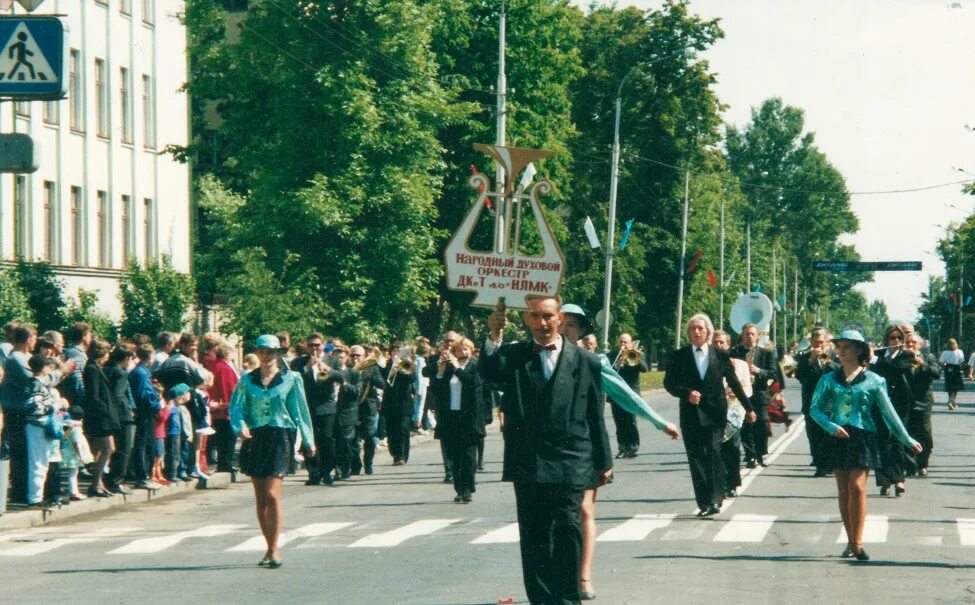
x=106, y=190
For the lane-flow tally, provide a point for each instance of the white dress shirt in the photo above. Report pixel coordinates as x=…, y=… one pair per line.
x=701, y=359
x=550, y=359
x=455, y=388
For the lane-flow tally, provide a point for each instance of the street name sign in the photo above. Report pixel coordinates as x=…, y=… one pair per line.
x=32, y=57
x=505, y=272
x=847, y=265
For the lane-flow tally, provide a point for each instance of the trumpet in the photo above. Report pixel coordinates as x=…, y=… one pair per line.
x=629, y=357
x=405, y=365
x=372, y=359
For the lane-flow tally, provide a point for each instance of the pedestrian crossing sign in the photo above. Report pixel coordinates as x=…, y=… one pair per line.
x=32, y=58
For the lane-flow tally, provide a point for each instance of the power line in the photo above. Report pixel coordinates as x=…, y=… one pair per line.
x=745, y=184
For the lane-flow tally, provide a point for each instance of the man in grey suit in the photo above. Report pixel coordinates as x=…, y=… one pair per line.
x=555, y=444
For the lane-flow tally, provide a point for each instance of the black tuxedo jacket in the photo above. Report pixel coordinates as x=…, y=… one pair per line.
x=319, y=393
x=553, y=429
x=467, y=425
x=808, y=373
x=682, y=377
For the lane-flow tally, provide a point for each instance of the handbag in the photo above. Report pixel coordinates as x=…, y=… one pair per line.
x=53, y=427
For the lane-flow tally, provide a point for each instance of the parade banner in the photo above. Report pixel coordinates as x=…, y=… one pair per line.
x=504, y=272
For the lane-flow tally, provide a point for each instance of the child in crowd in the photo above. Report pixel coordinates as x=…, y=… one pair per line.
x=43, y=430
x=75, y=454
x=162, y=422
x=176, y=398
x=200, y=412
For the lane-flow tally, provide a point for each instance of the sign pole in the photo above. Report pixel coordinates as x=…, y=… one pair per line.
x=683, y=253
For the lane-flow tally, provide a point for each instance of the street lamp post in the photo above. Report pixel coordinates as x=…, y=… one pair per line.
x=683, y=255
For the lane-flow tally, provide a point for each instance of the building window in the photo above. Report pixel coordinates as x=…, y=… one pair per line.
x=52, y=112
x=149, y=11
x=75, y=93
x=77, y=227
x=22, y=108
x=125, y=7
x=50, y=227
x=149, y=228
x=148, y=113
x=104, y=231
x=127, y=232
x=20, y=217
x=101, y=98
x=126, y=104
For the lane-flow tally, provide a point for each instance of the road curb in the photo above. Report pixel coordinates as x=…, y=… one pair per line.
x=24, y=519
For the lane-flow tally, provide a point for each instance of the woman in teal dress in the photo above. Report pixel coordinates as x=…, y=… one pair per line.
x=266, y=409
x=842, y=405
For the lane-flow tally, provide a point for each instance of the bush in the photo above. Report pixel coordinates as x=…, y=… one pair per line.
x=14, y=303
x=86, y=310
x=154, y=298
x=45, y=293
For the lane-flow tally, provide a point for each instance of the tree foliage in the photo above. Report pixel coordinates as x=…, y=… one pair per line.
x=14, y=302
x=154, y=298
x=44, y=293
x=86, y=310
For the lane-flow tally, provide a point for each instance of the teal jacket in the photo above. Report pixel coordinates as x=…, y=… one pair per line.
x=626, y=398
x=282, y=404
x=836, y=404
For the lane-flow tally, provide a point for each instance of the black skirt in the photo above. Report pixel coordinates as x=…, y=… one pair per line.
x=861, y=450
x=953, y=378
x=270, y=452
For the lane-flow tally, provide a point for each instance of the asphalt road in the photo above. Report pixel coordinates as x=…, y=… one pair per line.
x=397, y=537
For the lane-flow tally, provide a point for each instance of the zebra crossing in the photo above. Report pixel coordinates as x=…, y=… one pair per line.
x=739, y=529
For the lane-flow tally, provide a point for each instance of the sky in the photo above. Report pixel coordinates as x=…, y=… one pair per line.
x=887, y=87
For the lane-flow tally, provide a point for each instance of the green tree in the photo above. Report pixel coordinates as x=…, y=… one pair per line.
x=154, y=298
x=44, y=292
x=330, y=113
x=14, y=302
x=86, y=310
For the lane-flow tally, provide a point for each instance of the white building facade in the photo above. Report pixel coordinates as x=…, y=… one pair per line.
x=106, y=190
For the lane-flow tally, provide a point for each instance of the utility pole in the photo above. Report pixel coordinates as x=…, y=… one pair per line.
x=961, y=297
x=502, y=218
x=683, y=253
x=775, y=295
x=748, y=255
x=795, y=306
x=721, y=269
x=611, y=230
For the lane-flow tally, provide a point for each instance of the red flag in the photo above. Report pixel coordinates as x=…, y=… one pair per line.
x=693, y=264
x=954, y=298
x=712, y=279
x=487, y=200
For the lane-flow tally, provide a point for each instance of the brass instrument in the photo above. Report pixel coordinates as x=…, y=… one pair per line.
x=789, y=367
x=371, y=360
x=630, y=357
x=750, y=360
x=405, y=365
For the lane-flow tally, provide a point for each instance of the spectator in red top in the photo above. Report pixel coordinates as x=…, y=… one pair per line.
x=221, y=445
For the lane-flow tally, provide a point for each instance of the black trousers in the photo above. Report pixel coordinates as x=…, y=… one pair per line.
x=731, y=458
x=344, y=443
x=52, y=485
x=817, y=444
x=365, y=441
x=221, y=445
x=174, y=445
x=550, y=529
x=754, y=436
x=703, y=447
x=398, y=436
x=463, y=458
x=15, y=438
x=627, y=434
x=897, y=460
x=119, y=462
x=919, y=427
x=323, y=428
x=448, y=463
x=143, y=449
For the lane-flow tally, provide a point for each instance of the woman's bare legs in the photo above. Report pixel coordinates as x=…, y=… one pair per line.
x=588, y=539
x=270, y=512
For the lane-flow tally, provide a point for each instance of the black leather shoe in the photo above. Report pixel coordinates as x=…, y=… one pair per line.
x=861, y=554
x=448, y=479
x=313, y=482
x=761, y=462
x=750, y=463
x=466, y=498
x=368, y=470
x=731, y=493
x=711, y=511
x=620, y=455
x=456, y=498
x=899, y=491
x=922, y=472
x=328, y=480
x=885, y=490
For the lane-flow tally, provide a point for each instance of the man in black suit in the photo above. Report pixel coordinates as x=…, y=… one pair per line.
x=321, y=375
x=627, y=434
x=696, y=374
x=811, y=365
x=555, y=444
x=764, y=368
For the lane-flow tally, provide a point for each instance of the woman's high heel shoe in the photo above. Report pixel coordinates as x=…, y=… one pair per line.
x=586, y=593
x=859, y=553
x=848, y=552
x=899, y=490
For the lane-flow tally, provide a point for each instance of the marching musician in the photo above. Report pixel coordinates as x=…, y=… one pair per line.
x=368, y=414
x=811, y=365
x=764, y=369
x=346, y=411
x=731, y=443
x=398, y=394
x=321, y=379
x=894, y=365
x=429, y=371
x=630, y=367
x=924, y=371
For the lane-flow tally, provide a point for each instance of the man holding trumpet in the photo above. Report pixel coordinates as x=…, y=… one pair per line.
x=629, y=363
x=811, y=365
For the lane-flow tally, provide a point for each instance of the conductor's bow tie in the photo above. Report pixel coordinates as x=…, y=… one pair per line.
x=537, y=348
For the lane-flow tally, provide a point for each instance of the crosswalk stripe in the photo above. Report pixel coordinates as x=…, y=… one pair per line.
x=401, y=534
x=308, y=531
x=160, y=543
x=874, y=530
x=37, y=548
x=635, y=529
x=505, y=535
x=966, y=531
x=745, y=528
